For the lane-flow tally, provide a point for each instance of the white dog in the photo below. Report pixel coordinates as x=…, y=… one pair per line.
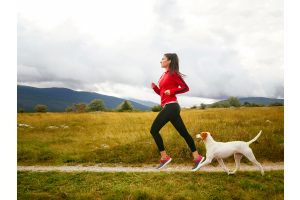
x=220, y=150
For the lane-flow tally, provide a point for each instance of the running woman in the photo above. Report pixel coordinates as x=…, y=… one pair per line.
x=170, y=84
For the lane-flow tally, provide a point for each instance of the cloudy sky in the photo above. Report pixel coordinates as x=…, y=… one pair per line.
x=226, y=48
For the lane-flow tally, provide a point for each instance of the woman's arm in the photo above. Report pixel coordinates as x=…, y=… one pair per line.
x=155, y=88
x=183, y=86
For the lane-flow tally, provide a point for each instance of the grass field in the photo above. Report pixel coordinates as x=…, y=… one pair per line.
x=115, y=138
x=150, y=185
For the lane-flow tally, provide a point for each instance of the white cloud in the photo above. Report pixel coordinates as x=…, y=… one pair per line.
x=226, y=48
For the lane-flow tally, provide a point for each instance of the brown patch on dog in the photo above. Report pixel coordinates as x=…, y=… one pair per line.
x=203, y=135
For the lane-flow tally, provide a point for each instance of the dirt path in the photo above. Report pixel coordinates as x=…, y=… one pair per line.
x=149, y=168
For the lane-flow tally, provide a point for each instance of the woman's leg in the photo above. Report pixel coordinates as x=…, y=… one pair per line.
x=180, y=127
x=165, y=115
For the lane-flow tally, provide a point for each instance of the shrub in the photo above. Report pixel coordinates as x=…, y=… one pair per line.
x=156, y=108
x=247, y=104
x=194, y=107
x=96, y=105
x=69, y=109
x=233, y=101
x=202, y=106
x=41, y=108
x=125, y=106
x=276, y=104
x=21, y=110
x=81, y=107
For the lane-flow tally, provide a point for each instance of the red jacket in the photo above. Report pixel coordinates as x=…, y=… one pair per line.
x=174, y=83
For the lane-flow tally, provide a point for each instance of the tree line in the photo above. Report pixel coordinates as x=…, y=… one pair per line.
x=95, y=105
x=231, y=101
x=99, y=105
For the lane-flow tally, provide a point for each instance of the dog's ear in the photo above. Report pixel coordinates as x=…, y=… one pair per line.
x=210, y=133
x=203, y=135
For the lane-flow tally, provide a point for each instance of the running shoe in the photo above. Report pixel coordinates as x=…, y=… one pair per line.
x=164, y=162
x=198, y=161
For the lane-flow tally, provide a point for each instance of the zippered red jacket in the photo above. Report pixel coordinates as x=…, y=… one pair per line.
x=174, y=83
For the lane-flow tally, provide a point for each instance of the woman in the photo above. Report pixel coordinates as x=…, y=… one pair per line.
x=169, y=84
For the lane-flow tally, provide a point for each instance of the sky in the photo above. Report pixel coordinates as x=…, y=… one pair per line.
x=225, y=48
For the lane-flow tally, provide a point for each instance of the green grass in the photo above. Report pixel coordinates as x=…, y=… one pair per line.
x=150, y=185
x=130, y=142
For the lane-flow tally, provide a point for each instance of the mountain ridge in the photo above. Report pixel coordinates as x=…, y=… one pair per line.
x=58, y=99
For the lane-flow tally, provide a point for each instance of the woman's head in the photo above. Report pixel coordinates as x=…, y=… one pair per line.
x=172, y=60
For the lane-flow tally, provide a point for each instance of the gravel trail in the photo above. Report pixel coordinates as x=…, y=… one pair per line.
x=150, y=168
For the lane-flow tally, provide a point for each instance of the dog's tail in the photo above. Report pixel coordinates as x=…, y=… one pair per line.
x=254, y=138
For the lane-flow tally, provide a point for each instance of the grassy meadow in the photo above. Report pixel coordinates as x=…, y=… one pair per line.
x=124, y=138
x=150, y=185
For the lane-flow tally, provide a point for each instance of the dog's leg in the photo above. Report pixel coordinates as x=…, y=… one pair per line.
x=223, y=166
x=237, y=158
x=249, y=154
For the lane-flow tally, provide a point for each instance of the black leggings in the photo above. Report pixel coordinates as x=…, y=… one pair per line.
x=170, y=112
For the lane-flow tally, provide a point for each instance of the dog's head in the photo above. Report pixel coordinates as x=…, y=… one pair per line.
x=202, y=136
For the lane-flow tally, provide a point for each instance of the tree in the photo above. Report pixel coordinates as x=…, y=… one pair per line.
x=202, y=106
x=125, y=106
x=96, y=105
x=81, y=107
x=254, y=105
x=276, y=104
x=215, y=105
x=41, y=108
x=225, y=104
x=69, y=109
x=156, y=108
x=261, y=105
x=233, y=101
x=247, y=104
x=194, y=107
x=21, y=110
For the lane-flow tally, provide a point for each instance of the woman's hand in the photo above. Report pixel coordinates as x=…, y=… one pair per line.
x=153, y=85
x=167, y=92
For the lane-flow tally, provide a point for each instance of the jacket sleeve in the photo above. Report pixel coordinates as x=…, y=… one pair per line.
x=157, y=90
x=179, y=81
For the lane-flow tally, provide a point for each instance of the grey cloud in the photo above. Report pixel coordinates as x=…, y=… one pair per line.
x=211, y=56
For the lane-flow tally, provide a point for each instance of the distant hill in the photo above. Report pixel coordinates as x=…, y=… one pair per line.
x=58, y=99
x=146, y=103
x=259, y=100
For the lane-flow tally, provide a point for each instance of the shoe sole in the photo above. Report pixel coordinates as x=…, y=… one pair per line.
x=198, y=167
x=165, y=163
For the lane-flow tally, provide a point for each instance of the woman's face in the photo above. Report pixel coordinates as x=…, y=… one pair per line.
x=165, y=62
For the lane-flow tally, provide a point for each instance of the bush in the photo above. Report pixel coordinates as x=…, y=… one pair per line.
x=69, y=109
x=215, y=105
x=97, y=105
x=254, y=105
x=202, y=106
x=21, y=110
x=156, y=108
x=233, y=101
x=41, y=108
x=125, y=106
x=247, y=104
x=276, y=104
x=194, y=107
x=80, y=108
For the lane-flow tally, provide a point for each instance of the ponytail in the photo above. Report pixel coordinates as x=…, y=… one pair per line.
x=174, y=65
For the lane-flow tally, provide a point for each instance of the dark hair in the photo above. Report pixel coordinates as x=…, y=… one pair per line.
x=174, y=65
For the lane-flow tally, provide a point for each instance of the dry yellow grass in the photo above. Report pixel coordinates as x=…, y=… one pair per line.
x=129, y=132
